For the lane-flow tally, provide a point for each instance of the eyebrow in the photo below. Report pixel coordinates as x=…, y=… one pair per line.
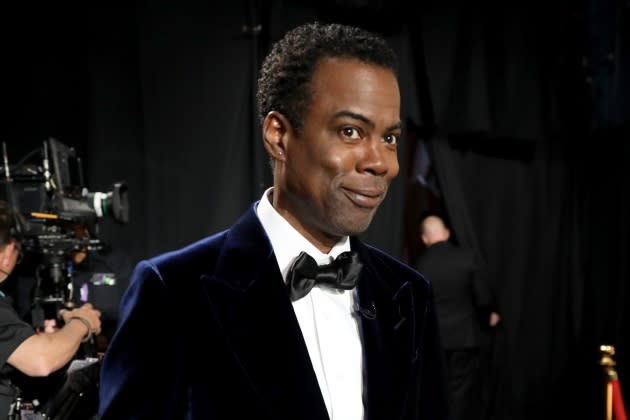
x=366, y=120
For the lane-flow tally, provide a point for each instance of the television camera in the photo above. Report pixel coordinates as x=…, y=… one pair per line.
x=57, y=219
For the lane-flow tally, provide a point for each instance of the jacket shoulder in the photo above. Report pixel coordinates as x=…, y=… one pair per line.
x=384, y=262
x=190, y=261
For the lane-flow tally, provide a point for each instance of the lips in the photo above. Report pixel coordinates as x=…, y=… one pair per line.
x=366, y=198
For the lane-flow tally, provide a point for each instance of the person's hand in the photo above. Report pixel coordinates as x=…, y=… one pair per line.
x=86, y=312
x=495, y=318
x=50, y=325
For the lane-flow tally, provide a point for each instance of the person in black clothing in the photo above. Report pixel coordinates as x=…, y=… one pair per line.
x=461, y=298
x=23, y=353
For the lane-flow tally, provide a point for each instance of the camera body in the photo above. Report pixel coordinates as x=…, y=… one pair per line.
x=57, y=219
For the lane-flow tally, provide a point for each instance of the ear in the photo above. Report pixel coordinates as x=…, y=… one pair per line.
x=425, y=239
x=276, y=130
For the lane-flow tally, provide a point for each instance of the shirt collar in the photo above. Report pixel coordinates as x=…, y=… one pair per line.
x=287, y=242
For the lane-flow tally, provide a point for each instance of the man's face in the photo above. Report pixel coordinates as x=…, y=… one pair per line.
x=338, y=169
x=8, y=259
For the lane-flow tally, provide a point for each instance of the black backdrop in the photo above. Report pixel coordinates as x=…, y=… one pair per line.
x=524, y=114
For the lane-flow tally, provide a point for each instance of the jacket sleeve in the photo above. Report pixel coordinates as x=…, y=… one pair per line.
x=483, y=296
x=432, y=390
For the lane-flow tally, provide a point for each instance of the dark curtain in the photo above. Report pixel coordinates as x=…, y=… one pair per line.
x=526, y=132
x=518, y=117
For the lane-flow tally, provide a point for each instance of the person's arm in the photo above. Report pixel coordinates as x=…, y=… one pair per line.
x=484, y=299
x=42, y=354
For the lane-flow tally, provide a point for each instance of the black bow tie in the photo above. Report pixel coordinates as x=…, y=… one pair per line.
x=304, y=274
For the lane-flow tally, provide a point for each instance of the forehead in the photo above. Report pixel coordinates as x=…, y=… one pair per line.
x=350, y=84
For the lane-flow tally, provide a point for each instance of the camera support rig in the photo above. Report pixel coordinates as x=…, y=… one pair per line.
x=54, y=287
x=57, y=219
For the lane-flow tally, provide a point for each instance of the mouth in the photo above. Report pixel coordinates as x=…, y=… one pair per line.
x=365, y=198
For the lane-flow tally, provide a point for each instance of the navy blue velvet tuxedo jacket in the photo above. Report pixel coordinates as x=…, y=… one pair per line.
x=208, y=332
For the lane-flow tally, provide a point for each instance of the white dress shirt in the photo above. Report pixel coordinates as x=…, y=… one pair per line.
x=326, y=317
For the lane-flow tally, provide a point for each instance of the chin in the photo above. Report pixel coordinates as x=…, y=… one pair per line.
x=355, y=227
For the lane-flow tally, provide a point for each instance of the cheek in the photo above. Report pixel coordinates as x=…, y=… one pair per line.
x=394, y=166
x=337, y=161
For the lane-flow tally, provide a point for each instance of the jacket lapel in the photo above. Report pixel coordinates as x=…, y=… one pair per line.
x=247, y=294
x=387, y=316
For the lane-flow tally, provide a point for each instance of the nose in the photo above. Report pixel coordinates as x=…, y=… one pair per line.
x=378, y=159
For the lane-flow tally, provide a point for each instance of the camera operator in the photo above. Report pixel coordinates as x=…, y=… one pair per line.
x=22, y=351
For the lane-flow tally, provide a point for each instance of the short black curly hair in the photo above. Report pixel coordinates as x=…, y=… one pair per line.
x=288, y=68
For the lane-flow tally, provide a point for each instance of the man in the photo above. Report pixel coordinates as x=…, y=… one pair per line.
x=461, y=297
x=22, y=352
x=211, y=331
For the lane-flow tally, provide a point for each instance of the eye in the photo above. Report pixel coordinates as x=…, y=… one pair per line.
x=391, y=139
x=351, y=132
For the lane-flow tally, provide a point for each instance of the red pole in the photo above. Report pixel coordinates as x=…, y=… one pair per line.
x=618, y=407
